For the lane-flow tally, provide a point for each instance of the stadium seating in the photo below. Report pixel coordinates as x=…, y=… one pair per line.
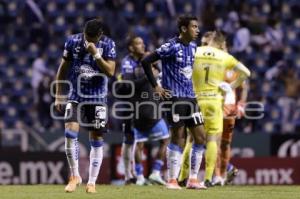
x=153, y=21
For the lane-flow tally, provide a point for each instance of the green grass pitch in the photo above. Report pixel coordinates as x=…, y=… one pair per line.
x=155, y=192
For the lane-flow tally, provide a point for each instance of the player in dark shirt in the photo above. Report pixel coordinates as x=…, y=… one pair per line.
x=88, y=60
x=147, y=125
x=177, y=57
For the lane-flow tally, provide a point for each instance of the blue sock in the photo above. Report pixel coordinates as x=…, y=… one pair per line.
x=139, y=169
x=157, y=165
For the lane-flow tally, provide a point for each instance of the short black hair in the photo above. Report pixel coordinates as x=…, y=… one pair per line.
x=130, y=38
x=185, y=20
x=93, y=28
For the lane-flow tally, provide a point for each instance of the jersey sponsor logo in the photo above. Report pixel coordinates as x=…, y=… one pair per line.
x=127, y=67
x=77, y=50
x=209, y=54
x=87, y=72
x=187, y=72
x=179, y=56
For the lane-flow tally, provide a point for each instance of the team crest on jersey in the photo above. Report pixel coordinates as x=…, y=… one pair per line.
x=100, y=112
x=187, y=72
x=100, y=50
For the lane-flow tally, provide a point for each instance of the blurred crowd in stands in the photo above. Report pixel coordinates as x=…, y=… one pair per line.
x=263, y=34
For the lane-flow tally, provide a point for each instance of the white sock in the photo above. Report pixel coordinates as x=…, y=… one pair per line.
x=196, y=155
x=140, y=178
x=174, y=153
x=72, y=152
x=127, y=156
x=155, y=172
x=96, y=156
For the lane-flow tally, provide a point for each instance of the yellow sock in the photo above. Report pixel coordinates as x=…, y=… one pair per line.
x=185, y=164
x=210, y=159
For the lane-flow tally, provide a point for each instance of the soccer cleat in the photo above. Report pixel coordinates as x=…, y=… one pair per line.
x=140, y=181
x=143, y=182
x=231, y=174
x=183, y=182
x=218, y=181
x=173, y=184
x=156, y=179
x=90, y=188
x=72, y=184
x=130, y=181
x=208, y=183
x=193, y=183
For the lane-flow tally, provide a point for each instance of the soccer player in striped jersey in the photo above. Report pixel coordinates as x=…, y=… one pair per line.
x=208, y=81
x=88, y=60
x=177, y=57
x=184, y=170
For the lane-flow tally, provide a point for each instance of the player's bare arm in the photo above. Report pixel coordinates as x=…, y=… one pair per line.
x=243, y=72
x=146, y=63
x=108, y=66
x=61, y=75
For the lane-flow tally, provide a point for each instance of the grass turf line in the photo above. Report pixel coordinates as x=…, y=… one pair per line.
x=137, y=192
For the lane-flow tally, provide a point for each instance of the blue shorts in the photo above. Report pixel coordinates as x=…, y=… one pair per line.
x=159, y=131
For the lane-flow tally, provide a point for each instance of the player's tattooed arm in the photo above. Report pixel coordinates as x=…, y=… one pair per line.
x=61, y=75
x=107, y=66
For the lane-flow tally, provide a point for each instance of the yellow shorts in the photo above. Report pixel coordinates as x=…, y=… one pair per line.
x=212, y=110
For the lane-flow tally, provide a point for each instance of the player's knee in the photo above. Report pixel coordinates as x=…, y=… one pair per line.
x=95, y=135
x=230, y=128
x=140, y=146
x=213, y=138
x=72, y=126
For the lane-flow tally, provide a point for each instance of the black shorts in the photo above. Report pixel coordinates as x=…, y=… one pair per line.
x=183, y=112
x=89, y=115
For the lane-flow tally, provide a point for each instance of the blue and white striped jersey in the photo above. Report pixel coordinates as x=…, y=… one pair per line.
x=177, y=66
x=89, y=82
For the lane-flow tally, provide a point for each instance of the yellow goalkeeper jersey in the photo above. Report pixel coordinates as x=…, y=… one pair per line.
x=209, y=70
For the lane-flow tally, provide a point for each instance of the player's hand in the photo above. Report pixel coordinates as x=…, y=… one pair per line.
x=90, y=47
x=59, y=102
x=240, y=109
x=230, y=110
x=163, y=93
x=225, y=87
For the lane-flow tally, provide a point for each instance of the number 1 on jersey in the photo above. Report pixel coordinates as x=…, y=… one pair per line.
x=206, y=68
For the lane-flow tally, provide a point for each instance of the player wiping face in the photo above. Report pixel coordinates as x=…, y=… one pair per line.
x=91, y=42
